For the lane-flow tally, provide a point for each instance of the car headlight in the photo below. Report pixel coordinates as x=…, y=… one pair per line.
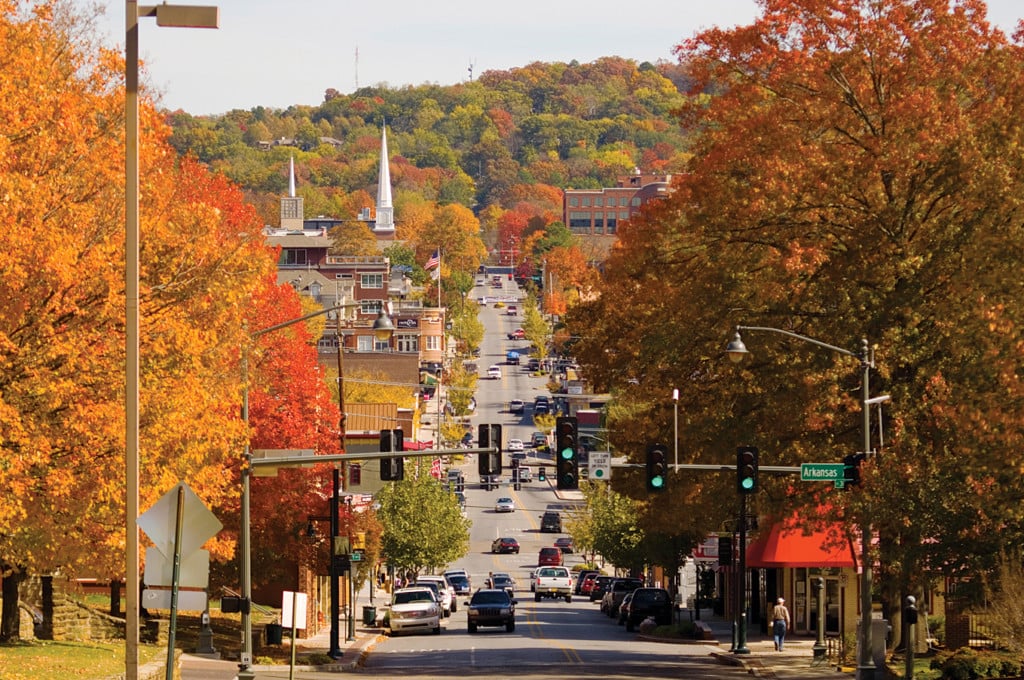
x=505, y=611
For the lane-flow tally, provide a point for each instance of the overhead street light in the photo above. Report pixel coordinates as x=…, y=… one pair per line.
x=171, y=16
x=736, y=351
x=382, y=328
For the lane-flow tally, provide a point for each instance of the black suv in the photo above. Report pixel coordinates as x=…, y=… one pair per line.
x=652, y=602
x=601, y=584
x=491, y=608
x=551, y=523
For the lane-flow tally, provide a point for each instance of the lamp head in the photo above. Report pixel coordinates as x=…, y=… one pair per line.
x=736, y=349
x=383, y=329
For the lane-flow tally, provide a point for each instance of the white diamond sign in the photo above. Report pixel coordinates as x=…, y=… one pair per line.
x=198, y=523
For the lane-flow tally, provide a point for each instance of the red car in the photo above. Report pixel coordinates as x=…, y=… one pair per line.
x=549, y=557
x=505, y=545
x=517, y=334
x=588, y=583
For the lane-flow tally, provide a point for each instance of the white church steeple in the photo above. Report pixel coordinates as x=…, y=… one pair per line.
x=385, y=221
x=292, y=208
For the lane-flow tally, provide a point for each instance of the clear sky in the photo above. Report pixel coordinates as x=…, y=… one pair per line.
x=278, y=53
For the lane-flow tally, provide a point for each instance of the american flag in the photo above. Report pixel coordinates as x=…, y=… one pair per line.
x=434, y=261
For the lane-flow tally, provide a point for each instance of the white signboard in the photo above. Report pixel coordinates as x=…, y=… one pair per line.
x=293, y=603
x=188, y=600
x=194, y=572
x=600, y=465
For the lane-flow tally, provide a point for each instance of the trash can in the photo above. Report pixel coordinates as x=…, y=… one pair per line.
x=369, y=616
x=274, y=633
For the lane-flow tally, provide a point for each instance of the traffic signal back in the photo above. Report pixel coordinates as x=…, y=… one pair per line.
x=567, y=453
x=392, y=469
x=489, y=435
x=851, y=469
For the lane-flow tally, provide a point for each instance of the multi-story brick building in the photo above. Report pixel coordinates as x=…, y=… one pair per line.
x=598, y=212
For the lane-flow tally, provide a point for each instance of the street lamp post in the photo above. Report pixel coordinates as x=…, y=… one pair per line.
x=382, y=327
x=166, y=15
x=736, y=351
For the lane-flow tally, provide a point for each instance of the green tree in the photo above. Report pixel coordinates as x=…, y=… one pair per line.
x=423, y=525
x=537, y=330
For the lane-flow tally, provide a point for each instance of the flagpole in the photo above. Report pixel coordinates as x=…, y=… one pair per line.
x=440, y=373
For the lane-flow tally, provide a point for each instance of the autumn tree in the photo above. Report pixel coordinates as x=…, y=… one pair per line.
x=353, y=238
x=854, y=175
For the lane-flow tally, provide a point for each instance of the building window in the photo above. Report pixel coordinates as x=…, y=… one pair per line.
x=372, y=280
x=623, y=201
x=574, y=202
x=432, y=343
x=293, y=257
x=364, y=343
x=407, y=343
x=579, y=222
x=371, y=306
x=586, y=202
x=624, y=215
x=598, y=201
x=635, y=201
x=609, y=223
x=381, y=345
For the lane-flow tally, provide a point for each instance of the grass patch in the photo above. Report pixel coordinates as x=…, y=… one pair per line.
x=67, y=660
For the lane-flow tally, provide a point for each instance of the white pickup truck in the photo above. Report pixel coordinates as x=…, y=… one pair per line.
x=552, y=582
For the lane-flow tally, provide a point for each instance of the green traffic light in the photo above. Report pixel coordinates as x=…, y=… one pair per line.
x=747, y=483
x=657, y=482
x=567, y=453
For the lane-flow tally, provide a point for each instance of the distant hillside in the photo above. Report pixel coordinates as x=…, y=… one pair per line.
x=476, y=143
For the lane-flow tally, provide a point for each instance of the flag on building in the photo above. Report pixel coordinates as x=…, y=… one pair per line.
x=434, y=261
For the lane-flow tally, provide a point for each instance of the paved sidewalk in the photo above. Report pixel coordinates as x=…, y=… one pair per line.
x=795, y=661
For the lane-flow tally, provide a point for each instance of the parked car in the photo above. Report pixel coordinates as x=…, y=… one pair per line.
x=564, y=544
x=516, y=406
x=517, y=334
x=505, y=504
x=443, y=595
x=491, y=608
x=615, y=592
x=623, y=608
x=448, y=602
x=600, y=585
x=506, y=544
x=551, y=522
x=538, y=440
x=549, y=557
x=414, y=609
x=653, y=602
x=533, y=365
x=581, y=578
x=494, y=372
x=587, y=586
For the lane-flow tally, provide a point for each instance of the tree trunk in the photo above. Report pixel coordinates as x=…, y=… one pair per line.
x=10, y=620
x=46, y=629
x=115, y=597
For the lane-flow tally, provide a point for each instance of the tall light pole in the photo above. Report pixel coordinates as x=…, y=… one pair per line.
x=382, y=327
x=736, y=351
x=166, y=15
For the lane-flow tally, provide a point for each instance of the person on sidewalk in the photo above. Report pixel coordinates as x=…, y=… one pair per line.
x=780, y=622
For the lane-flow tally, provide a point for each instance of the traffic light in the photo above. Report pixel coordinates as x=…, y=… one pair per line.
x=725, y=551
x=542, y=474
x=488, y=436
x=392, y=469
x=851, y=469
x=567, y=453
x=657, y=468
x=746, y=469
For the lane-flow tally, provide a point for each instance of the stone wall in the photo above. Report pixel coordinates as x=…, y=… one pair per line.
x=75, y=621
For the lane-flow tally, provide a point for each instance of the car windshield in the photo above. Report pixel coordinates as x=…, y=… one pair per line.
x=490, y=597
x=429, y=584
x=550, y=572
x=413, y=596
x=458, y=581
x=504, y=500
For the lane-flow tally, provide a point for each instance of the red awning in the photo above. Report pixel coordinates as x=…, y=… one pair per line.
x=412, y=445
x=790, y=546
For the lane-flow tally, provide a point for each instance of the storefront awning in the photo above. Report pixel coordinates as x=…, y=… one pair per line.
x=790, y=546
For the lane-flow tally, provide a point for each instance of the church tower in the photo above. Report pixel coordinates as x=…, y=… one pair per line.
x=385, y=222
x=292, y=209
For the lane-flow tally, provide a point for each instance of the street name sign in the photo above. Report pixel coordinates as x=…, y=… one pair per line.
x=823, y=472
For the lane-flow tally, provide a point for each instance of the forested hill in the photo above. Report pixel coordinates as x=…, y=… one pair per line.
x=477, y=143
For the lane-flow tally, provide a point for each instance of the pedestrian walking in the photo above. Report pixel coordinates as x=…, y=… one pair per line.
x=780, y=622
